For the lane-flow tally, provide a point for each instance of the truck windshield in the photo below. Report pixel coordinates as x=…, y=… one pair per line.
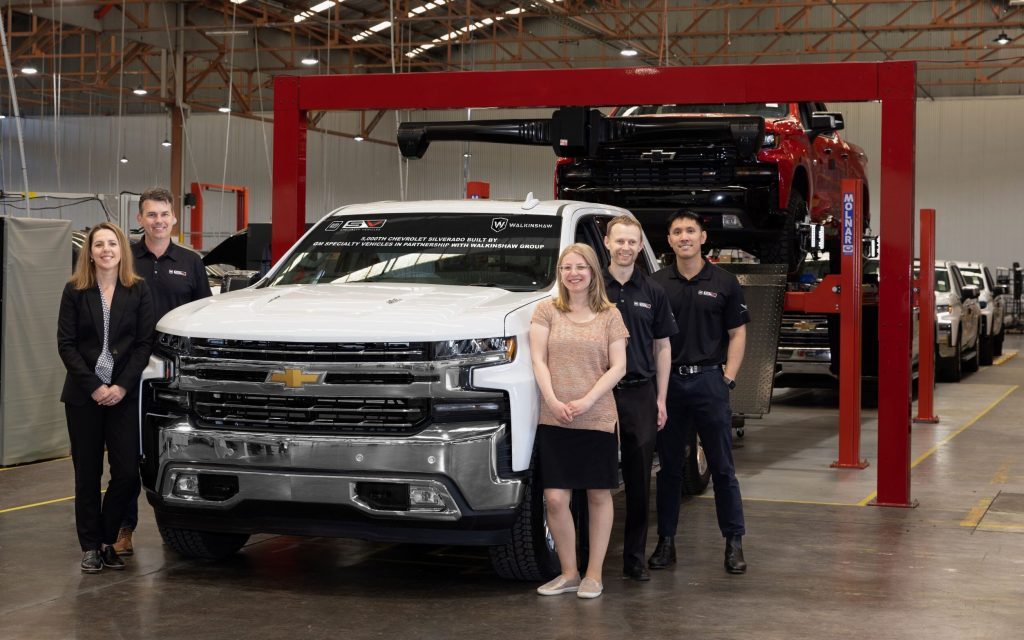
x=975, y=278
x=515, y=251
x=763, y=109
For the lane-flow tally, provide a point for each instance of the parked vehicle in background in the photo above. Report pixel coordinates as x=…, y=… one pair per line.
x=958, y=323
x=992, y=301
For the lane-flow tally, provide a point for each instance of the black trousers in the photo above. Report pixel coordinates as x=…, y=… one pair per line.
x=638, y=432
x=91, y=427
x=699, y=401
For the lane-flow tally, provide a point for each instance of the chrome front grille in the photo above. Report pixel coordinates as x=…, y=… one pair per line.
x=310, y=352
x=354, y=416
x=804, y=331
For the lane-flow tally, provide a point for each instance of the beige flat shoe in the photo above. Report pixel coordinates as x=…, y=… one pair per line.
x=559, y=586
x=589, y=588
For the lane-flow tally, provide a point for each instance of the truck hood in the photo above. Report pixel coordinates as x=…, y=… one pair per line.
x=340, y=312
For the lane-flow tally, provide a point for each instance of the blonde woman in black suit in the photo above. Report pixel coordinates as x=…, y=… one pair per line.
x=104, y=336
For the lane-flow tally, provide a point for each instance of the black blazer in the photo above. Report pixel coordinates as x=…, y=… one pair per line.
x=80, y=339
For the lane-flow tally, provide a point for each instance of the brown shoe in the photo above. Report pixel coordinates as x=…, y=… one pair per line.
x=123, y=545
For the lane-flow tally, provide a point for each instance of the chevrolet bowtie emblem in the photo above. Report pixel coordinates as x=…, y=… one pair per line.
x=294, y=378
x=658, y=155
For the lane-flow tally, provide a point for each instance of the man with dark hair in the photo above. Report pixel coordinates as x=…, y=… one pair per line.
x=706, y=356
x=640, y=395
x=175, y=276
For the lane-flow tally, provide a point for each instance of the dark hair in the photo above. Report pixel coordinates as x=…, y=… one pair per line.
x=158, y=194
x=685, y=214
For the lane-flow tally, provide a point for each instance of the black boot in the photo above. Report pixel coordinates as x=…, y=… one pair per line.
x=664, y=554
x=734, y=562
x=110, y=559
x=91, y=562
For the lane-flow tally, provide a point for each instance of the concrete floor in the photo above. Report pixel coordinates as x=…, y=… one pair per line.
x=822, y=564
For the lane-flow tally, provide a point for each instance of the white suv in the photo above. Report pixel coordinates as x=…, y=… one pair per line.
x=993, y=309
x=958, y=320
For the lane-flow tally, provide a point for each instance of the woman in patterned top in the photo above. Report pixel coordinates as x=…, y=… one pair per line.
x=578, y=347
x=104, y=337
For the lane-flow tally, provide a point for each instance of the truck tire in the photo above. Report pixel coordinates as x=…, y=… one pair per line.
x=206, y=545
x=951, y=369
x=530, y=554
x=696, y=472
x=974, y=362
x=785, y=248
x=997, y=346
x=985, y=349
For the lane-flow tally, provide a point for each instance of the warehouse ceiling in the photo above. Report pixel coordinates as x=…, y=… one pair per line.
x=99, y=57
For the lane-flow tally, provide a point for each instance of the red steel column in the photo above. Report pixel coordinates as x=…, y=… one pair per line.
x=196, y=218
x=926, y=322
x=897, y=90
x=851, y=305
x=289, y=198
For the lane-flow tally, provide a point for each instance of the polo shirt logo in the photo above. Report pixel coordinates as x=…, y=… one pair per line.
x=175, y=272
x=710, y=294
x=645, y=305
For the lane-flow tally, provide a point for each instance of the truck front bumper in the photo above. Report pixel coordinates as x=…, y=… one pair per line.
x=444, y=478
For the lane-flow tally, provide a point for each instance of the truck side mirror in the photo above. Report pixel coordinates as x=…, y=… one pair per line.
x=235, y=280
x=998, y=290
x=970, y=292
x=826, y=122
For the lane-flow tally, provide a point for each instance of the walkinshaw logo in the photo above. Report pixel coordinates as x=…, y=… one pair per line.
x=294, y=378
x=499, y=224
x=364, y=224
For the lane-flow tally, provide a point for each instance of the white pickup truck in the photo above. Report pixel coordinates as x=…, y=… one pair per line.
x=375, y=384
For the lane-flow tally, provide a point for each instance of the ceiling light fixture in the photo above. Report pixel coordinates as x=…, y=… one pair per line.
x=224, y=109
x=139, y=91
x=359, y=138
x=309, y=59
x=1002, y=38
x=29, y=70
x=124, y=159
x=166, y=142
x=628, y=52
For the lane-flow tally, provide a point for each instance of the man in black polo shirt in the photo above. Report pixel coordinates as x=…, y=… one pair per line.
x=706, y=355
x=641, y=395
x=175, y=276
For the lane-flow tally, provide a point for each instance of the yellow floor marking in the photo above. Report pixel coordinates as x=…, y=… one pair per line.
x=1008, y=355
x=977, y=512
x=37, y=504
x=1002, y=474
x=921, y=458
x=32, y=464
x=1001, y=527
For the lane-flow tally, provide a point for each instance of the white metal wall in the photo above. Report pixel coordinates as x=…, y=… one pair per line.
x=968, y=156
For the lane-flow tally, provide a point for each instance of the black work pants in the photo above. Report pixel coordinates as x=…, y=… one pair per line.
x=91, y=427
x=638, y=431
x=698, y=401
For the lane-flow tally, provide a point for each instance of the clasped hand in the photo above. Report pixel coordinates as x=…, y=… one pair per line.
x=108, y=395
x=566, y=411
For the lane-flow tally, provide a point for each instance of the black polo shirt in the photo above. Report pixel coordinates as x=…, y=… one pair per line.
x=644, y=308
x=175, y=278
x=706, y=308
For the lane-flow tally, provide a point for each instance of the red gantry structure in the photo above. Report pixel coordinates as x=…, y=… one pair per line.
x=891, y=83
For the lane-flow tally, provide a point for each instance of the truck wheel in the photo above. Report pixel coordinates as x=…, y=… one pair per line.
x=974, y=362
x=206, y=545
x=696, y=472
x=785, y=248
x=950, y=369
x=985, y=349
x=530, y=554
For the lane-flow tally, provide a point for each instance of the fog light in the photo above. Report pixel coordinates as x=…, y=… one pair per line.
x=186, y=485
x=178, y=398
x=730, y=221
x=425, y=498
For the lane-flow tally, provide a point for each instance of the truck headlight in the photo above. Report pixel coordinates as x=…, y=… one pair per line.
x=942, y=308
x=171, y=345
x=477, y=350
x=770, y=141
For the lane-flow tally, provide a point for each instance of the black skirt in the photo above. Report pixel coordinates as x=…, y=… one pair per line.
x=577, y=458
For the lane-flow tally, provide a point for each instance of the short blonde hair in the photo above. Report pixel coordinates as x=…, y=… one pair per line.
x=84, y=276
x=625, y=219
x=597, y=299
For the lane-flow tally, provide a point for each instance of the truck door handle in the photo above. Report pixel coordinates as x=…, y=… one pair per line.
x=828, y=150
x=844, y=156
